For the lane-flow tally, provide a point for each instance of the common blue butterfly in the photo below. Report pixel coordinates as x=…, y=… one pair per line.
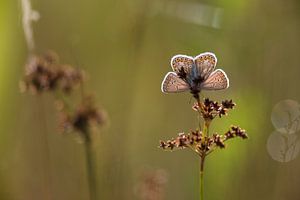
x=194, y=74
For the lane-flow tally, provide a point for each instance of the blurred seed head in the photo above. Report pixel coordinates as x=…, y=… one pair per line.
x=44, y=73
x=86, y=117
x=151, y=185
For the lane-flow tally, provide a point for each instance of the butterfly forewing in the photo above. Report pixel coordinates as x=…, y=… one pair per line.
x=216, y=81
x=206, y=63
x=173, y=84
x=182, y=61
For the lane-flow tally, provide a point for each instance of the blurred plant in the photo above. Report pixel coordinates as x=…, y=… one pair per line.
x=152, y=184
x=45, y=74
x=283, y=143
x=195, y=74
x=84, y=119
x=28, y=16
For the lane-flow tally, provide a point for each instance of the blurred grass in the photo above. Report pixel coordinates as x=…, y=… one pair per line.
x=126, y=50
x=10, y=54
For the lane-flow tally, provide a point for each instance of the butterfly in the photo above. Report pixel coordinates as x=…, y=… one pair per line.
x=194, y=74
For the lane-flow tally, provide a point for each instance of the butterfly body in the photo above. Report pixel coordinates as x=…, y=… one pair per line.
x=194, y=74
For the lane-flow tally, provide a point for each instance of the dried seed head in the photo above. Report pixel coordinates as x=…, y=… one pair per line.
x=83, y=118
x=218, y=141
x=235, y=131
x=182, y=141
x=71, y=77
x=196, y=140
x=229, y=104
x=44, y=73
x=210, y=109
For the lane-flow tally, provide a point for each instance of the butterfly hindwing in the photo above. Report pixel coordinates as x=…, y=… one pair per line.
x=173, y=84
x=206, y=63
x=182, y=61
x=217, y=80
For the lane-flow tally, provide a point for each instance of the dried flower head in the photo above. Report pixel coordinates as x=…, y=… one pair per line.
x=210, y=109
x=195, y=141
x=235, y=131
x=203, y=144
x=83, y=119
x=218, y=140
x=44, y=73
x=71, y=77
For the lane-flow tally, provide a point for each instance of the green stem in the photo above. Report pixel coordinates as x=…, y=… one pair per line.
x=90, y=160
x=199, y=111
x=202, y=177
x=205, y=133
x=203, y=155
x=90, y=169
x=46, y=146
x=206, y=128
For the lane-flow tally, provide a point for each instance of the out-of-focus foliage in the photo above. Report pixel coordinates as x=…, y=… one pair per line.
x=125, y=47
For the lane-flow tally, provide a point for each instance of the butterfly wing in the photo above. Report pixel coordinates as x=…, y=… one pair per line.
x=173, y=84
x=217, y=80
x=182, y=61
x=206, y=63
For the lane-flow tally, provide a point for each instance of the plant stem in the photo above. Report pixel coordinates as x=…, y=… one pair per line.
x=199, y=111
x=89, y=154
x=205, y=133
x=90, y=168
x=46, y=157
x=202, y=177
x=206, y=127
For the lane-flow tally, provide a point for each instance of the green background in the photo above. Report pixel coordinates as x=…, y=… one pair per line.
x=125, y=48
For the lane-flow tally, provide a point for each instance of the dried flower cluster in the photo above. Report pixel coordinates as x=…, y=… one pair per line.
x=196, y=141
x=236, y=131
x=201, y=143
x=45, y=73
x=210, y=109
x=85, y=117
